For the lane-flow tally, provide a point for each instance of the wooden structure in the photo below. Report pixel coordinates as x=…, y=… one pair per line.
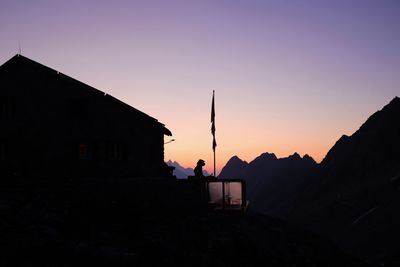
x=55, y=126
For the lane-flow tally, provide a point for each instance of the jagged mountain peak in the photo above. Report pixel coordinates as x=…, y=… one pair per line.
x=235, y=158
x=271, y=157
x=295, y=158
x=307, y=157
x=268, y=155
x=264, y=157
x=171, y=162
x=295, y=155
x=233, y=168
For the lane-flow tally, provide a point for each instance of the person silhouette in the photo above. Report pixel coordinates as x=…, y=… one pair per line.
x=198, y=170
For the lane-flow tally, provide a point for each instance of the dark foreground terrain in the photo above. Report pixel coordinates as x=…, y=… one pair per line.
x=111, y=224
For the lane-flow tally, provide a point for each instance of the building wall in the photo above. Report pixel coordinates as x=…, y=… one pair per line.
x=51, y=124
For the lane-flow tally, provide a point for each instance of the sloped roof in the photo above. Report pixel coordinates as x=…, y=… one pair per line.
x=19, y=59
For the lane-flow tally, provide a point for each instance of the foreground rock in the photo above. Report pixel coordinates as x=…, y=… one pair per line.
x=61, y=226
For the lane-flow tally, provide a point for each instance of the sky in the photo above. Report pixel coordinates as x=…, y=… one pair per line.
x=289, y=76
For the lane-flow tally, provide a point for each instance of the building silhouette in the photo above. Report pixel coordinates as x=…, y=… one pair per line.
x=55, y=126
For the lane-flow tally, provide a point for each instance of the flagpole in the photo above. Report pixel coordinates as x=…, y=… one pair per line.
x=214, y=144
x=215, y=172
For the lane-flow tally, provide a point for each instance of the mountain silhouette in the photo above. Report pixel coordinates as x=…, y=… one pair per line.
x=272, y=183
x=181, y=172
x=235, y=167
x=354, y=197
x=351, y=197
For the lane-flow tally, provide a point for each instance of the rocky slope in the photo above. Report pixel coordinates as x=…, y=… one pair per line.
x=354, y=198
x=272, y=184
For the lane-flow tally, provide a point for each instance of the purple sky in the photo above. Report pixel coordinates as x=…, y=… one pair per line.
x=289, y=75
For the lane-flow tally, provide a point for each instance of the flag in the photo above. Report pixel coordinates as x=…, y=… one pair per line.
x=213, y=122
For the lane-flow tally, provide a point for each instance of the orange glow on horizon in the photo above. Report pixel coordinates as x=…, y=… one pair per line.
x=190, y=160
x=247, y=151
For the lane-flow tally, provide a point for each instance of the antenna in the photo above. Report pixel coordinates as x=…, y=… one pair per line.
x=19, y=47
x=172, y=140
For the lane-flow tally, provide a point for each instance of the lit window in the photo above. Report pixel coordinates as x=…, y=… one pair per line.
x=215, y=193
x=233, y=193
x=227, y=194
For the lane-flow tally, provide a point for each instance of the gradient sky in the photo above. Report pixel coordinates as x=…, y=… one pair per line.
x=289, y=76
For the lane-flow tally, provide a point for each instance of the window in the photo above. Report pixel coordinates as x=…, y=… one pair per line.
x=7, y=107
x=227, y=194
x=78, y=108
x=115, y=151
x=215, y=193
x=84, y=152
x=233, y=193
x=100, y=151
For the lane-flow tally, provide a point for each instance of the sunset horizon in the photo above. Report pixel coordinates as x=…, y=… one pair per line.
x=289, y=76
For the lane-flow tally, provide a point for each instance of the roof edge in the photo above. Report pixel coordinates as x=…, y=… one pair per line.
x=18, y=58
